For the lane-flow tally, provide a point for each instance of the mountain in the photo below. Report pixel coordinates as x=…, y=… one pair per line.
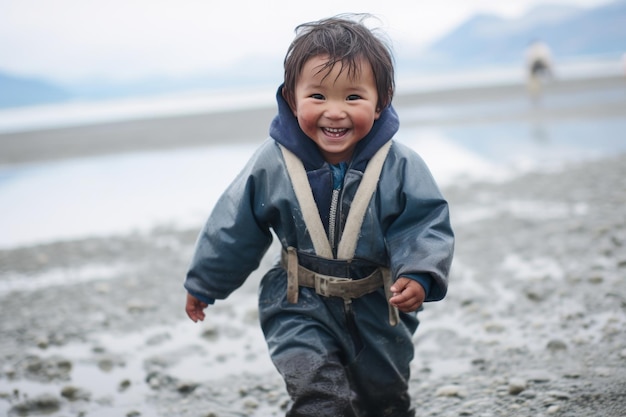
x=482, y=41
x=16, y=91
x=21, y=91
x=568, y=31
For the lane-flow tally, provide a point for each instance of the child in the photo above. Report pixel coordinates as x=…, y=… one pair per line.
x=364, y=230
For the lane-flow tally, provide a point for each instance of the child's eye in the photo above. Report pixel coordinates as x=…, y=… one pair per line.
x=317, y=96
x=353, y=97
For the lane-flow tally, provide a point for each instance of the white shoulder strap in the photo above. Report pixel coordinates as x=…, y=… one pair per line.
x=367, y=187
x=302, y=188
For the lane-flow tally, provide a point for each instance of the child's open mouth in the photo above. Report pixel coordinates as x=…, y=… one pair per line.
x=334, y=132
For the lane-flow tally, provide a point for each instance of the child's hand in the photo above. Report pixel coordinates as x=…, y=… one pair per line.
x=195, y=308
x=408, y=294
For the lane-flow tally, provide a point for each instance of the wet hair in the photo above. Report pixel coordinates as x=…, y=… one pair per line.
x=345, y=40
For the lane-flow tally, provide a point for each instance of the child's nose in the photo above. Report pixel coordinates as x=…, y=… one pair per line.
x=334, y=110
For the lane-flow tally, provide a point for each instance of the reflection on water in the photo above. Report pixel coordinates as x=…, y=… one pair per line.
x=135, y=192
x=541, y=144
x=573, y=119
x=476, y=133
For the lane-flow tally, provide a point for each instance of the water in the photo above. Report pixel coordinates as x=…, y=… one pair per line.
x=132, y=193
x=461, y=141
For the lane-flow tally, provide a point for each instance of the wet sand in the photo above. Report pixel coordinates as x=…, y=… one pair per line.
x=533, y=325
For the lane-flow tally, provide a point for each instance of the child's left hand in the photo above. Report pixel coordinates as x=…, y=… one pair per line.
x=408, y=294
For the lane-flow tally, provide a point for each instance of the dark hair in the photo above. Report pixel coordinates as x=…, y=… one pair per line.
x=345, y=39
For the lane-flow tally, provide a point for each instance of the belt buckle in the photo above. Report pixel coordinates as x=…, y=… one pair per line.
x=324, y=284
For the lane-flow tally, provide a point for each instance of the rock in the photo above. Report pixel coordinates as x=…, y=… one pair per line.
x=494, y=327
x=48, y=369
x=9, y=371
x=451, y=391
x=158, y=339
x=534, y=295
x=106, y=363
x=138, y=306
x=43, y=342
x=596, y=279
x=251, y=404
x=528, y=394
x=124, y=385
x=556, y=345
x=186, y=387
x=559, y=395
x=154, y=382
x=103, y=288
x=517, y=385
x=73, y=393
x=42, y=404
x=210, y=332
x=537, y=375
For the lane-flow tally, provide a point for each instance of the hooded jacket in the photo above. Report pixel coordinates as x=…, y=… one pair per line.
x=406, y=226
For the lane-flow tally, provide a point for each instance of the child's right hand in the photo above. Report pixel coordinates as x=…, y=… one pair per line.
x=195, y=308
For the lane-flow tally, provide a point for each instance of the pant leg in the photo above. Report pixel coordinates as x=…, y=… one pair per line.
x=380, y=372
x=329, y=370
x=305, y=350
x=316, y=382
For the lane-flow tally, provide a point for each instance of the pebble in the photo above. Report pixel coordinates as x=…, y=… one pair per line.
x=138, y=306
x=73, y=393
x=553, y=409
x=124, y=385
x=43, y=343
x=41, y=404
x=210, y=332
x=559, y=395
x=528, y=394
x=538, y=375
x=451, y=391
x=494, y=327
x=556, y=345
x=186, y=387
x=517, y=385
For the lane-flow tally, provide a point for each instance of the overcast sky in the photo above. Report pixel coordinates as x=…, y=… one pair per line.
x=66, y=40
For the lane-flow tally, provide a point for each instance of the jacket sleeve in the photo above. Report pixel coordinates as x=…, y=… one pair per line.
x=419, y=237
x=233, y=240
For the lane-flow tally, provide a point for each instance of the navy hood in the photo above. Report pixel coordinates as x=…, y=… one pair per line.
x=286, y=131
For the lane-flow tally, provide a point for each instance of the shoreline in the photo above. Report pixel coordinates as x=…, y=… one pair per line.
x=251, y=125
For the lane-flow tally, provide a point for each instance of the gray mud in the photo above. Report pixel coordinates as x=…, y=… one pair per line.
x=534, y=323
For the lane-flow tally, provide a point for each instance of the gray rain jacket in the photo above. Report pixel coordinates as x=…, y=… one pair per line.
x=406, y=226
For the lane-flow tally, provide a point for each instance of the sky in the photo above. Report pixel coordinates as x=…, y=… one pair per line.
x=126, y=40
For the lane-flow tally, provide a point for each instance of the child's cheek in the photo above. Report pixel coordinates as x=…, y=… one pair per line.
x=307, y=123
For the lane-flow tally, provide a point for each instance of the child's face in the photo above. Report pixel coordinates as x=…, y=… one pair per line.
x=334, y=109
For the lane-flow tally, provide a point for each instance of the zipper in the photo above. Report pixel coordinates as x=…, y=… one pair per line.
x=332, y=219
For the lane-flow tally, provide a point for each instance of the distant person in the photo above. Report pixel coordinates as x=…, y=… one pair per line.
x=539, y=66
x=364, y=230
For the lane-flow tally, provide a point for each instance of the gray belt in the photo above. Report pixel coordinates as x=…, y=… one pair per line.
x=329, y=286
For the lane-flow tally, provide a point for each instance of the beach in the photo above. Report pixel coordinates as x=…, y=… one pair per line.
x=92, y=324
